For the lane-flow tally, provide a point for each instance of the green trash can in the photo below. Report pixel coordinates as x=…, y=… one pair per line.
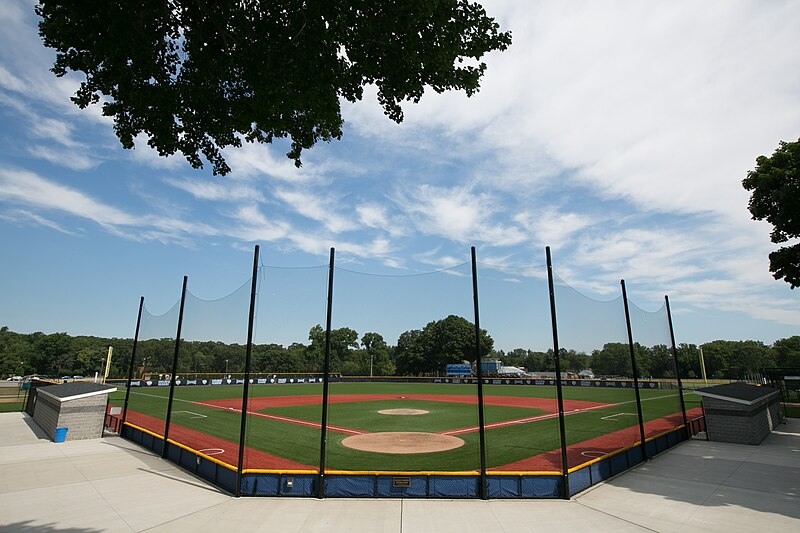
x=61, y=434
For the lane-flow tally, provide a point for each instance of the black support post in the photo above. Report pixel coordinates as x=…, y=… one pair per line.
x=130, y=367
x=634, y=367
x=677, y=369
x=174, y=369
x=246, y=390
x=559, y=392
x=325, y=372
x=481, y=421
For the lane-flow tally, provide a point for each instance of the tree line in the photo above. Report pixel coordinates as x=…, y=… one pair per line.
x=425, y=351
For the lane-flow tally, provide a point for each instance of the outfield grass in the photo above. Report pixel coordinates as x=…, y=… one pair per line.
x=301, y=443
x=11, y=407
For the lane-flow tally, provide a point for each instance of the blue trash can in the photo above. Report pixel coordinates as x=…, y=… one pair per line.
x=61, y=434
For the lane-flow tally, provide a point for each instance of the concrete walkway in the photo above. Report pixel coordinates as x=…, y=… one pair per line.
x=112, y=485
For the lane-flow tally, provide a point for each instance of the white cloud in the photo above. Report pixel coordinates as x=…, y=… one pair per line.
x=27, y=188
x=217, y=190
x=311, y=206
x=257, y=159
x=21, y=214
x=458, y=214
x=10, y=82
x=74, y=159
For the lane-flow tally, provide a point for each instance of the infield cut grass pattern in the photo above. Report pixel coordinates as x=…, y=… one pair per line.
x=292, y=431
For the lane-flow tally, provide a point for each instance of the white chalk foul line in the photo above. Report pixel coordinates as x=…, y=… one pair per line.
x=193, y=415
x=545, y=417
x=285, y=419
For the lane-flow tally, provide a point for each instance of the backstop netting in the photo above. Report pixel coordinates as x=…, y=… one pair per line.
x=601, y=418
x=660, y=394
x=522, y=439
x=148, y=396
x=416, y=402
x=284, y=421
x=425, y=422
x=207, y=400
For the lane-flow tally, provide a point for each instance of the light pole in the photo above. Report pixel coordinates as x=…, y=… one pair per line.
x=371, y=355
x=226, y=368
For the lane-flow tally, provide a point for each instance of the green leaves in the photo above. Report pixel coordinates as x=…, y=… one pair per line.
x=196, y=77
x=775, y=186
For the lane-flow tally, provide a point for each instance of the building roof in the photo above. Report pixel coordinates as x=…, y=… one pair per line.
x=743, y=393
x=76, y=390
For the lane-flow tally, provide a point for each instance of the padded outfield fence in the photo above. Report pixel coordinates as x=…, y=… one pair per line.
x=260, y=431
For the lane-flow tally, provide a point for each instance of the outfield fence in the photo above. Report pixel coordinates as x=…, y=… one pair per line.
x=258, y=431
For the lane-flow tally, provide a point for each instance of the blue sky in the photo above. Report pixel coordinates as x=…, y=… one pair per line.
x=617, y=133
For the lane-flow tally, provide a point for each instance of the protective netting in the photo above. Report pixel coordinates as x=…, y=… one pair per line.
x=522, y=432
x=601, y=417
x=403, y=393
x=285, y=395
x=148, y=397
x=207, y=401
x=394, y=424
x=660, y=396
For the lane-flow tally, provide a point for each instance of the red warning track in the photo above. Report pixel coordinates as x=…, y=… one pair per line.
x=201, y=441
x=583, y=452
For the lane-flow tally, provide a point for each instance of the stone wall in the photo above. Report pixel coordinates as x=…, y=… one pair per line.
x=734, y=422
x=46, y=413
x=83, y=417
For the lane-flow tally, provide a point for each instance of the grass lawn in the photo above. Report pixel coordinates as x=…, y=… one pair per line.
x=11, y=407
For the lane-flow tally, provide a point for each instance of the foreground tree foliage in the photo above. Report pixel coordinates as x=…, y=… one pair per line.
x=775, y=184
x=196, y=76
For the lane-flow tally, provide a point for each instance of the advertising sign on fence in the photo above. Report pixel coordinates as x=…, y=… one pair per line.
x=458, y=370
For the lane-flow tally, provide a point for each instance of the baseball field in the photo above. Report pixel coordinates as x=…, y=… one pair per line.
x=403, y=427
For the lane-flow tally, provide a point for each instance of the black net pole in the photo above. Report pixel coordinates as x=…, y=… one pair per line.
x=481, y=422
x=325, y=372
x=246, y=390
x=634, y=367
x=677, y=370
x=174, y=369
x=559, y=392
x=133, y=360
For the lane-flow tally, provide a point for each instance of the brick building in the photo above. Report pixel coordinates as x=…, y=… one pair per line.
x=78, y=406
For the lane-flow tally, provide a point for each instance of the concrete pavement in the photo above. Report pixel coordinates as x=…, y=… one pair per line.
x=113, y=485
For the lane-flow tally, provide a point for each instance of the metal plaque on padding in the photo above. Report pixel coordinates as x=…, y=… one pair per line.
x=401, y=482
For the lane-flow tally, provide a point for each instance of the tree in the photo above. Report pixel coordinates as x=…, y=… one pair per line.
x=775, y=183
x=377, y=354
x=343, y=341
x=787, y=352
x=441, y=342
x=196, y=76
x=613, y=360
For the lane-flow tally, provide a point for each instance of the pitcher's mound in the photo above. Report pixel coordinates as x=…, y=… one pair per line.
x=403, y=412
x=403, y=442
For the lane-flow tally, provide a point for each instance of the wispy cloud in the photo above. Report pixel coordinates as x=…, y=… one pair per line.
x=27, y=188
x=19, y=215
x=457, y=213
x=66, y=158
x=316, y=208
x=217, y=190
